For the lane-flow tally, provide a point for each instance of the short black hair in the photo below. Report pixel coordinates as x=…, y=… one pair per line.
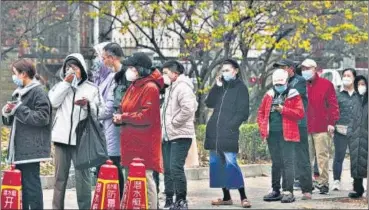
x=26, y=66
x=356, y=87
x=232, y=62
x=353, y=71
x=114, y=49
x=174, y=66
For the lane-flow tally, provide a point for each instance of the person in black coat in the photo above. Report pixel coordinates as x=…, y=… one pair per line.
x=358, y=141
x=230, y=100
x=30, y=139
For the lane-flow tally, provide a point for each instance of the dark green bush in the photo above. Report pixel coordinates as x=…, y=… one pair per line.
x=252, y=150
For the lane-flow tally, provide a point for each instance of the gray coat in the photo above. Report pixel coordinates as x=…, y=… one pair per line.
x=30, y=138
x=358, y=141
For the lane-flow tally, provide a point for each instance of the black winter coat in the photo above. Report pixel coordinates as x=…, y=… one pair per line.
x=231, y=107
x=358, y=141
x=31, y=130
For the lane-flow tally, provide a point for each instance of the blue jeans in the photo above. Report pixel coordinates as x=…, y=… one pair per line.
x=224, y=170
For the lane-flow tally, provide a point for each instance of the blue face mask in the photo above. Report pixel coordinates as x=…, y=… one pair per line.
x=17, y=81
x=308, y=74
x=228, y=76
x=281, y=89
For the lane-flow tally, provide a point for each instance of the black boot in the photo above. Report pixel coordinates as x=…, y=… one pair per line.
x=358, y=189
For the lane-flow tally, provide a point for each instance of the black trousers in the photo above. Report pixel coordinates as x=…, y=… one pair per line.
x=282, y=155
x=175, y=154
x=302, y=162
x=116, y=162
x=32, y=197
x=340, y=146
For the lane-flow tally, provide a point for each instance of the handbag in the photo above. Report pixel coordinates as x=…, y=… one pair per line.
x=91, y=147
x=341, y=129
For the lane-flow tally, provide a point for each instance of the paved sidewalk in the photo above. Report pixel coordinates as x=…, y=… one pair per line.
x=200, y=195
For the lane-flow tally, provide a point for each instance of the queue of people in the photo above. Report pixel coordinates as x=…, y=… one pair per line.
x=149, y=112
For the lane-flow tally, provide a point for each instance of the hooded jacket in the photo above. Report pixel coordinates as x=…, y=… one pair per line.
x=68, y=115
x=179, y=109
x=141, y=132
x=358, y=136
x=31, y=125
x=104, y=79
x=292, y=113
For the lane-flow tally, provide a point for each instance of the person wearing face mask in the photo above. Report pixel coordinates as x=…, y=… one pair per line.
x=111, y=55
x=279, y=113
x=346, y=99
x=229, y=98
x=103, y=77
x=178, y=127
x=358, y=138
x=70, y=97
x=322, y=115
x=140, y=120
x=303, y=178
x=30, y=138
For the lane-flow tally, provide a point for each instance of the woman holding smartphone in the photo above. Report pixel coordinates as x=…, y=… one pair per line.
x=30, y=118
x=71, y=97
x=229, y=98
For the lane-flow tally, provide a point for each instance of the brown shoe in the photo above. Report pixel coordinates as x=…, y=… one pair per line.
x=221, y=202
x=245, y=203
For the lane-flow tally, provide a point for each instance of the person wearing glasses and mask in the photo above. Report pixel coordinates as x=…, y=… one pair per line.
x=229, y=98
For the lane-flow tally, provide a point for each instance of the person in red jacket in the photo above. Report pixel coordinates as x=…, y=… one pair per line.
x=278, y=117
x=140, y=119
x=322, y=115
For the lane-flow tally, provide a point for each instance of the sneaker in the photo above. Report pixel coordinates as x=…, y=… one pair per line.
x=336, y=185
x=273, y=196
x=297, y=185
x=306, y=196
x=324, y=190
x=287, y=197
x=168, y=203
x=181, y=204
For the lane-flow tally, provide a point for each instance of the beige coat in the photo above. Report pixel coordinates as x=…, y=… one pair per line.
x=180, y=105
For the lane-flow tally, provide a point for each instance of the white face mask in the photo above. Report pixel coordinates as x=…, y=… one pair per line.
x=167, y=80
x=131, y=75
x=347, y=81
x=361, y=89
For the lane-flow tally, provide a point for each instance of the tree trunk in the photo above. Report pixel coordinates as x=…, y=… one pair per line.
x=74, y=36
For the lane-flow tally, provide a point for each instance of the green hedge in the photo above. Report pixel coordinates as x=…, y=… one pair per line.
x=252, y=150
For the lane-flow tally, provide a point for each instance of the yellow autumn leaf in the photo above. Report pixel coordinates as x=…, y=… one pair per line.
x=348, y=14
x=327, y=4
x=305, y=44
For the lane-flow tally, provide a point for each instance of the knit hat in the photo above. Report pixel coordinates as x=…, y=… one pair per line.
x=139, y=59
x=280, y=77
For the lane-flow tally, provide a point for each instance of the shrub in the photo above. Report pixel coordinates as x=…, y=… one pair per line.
x=252, y=150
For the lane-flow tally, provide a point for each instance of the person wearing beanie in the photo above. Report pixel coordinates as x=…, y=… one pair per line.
x=279, y=113
x=30, y=116
x=139, y=118
x=229, y=98
x=71, y=98
x=322, y=115
x=303, y=175
x=178, y=127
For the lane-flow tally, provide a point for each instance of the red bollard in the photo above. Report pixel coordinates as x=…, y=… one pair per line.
x=135, y=189
x=107, y=194
x=11, y=189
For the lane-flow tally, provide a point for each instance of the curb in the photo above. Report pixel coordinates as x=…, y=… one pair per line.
x=252, y=170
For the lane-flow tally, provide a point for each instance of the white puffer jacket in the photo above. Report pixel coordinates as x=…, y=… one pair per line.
x=178, y=111
x=62, y=96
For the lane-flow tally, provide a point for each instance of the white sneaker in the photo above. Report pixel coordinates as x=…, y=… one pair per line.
x=336, y=185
